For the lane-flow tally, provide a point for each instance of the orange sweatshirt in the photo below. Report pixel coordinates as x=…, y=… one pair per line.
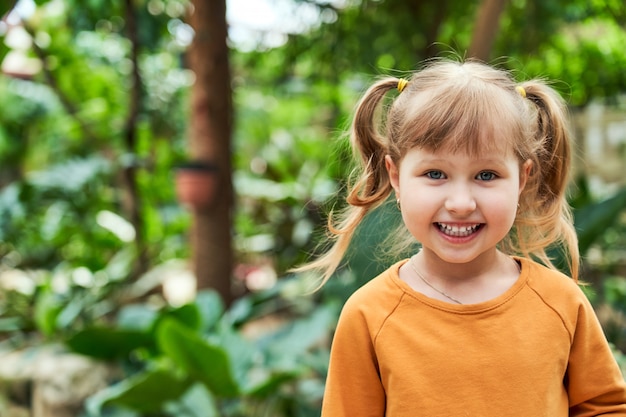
x=536, y=350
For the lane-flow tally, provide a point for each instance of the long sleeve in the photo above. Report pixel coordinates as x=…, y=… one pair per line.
x=353, y=385
x=594, y=382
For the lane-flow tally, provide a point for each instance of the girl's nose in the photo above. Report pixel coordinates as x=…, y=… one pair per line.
x=460, y=202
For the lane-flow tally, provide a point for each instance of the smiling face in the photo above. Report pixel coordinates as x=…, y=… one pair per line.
x=458, y=205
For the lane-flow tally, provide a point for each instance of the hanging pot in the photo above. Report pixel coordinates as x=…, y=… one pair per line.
x=196, y=183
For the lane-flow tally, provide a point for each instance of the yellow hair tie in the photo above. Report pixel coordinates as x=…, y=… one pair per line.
x=401, y=84
x=521, y=91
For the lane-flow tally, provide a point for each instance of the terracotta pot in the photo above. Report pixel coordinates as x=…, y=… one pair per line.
x=196, y=183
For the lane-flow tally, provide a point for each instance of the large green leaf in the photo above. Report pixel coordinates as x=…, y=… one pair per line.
x=592, y=220
x=188, y=315
x=145, y=392
x=236, y=346
x=205, y=362
x=107, y=343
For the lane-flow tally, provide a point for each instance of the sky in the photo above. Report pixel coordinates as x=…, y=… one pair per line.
x=268, y=22
x=256, y=23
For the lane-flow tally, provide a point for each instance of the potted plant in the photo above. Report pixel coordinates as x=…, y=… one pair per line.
x=196, y=183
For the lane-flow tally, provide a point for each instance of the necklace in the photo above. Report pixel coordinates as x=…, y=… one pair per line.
x=412, y=263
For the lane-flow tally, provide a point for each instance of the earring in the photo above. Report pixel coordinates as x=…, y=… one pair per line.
x=398, y=204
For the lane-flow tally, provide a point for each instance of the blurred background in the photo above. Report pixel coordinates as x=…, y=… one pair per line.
x=163, y=163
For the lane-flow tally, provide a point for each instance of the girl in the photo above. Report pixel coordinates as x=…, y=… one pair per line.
x=471, y=325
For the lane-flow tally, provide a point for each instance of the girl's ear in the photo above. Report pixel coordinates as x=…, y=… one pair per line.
x=394, y=174
x=527, y=166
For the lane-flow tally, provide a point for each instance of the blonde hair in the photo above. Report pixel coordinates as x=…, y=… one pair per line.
x=456, y=104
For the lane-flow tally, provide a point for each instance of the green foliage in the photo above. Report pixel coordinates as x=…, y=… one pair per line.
x=287, y=165
x=173, y=356
x=593, y=220
x=61, y=301
x=46, y=311
x=575, y=42
x=203, y=361
x=106, y=343
x=64, y=140
x=146, y=392
x=39, y=214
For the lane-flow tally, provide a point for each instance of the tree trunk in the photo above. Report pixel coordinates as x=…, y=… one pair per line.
x=486, y=28
x=210, y=140
x=132, y=201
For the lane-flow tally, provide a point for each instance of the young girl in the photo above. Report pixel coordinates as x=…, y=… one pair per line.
x=477, y=323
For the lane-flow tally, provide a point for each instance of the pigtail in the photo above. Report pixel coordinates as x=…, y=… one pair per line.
x=371, y=186
x=553, y=137
x=549, y=214
x=370, y=147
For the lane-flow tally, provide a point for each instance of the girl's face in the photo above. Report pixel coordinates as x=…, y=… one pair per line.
x=459, y=207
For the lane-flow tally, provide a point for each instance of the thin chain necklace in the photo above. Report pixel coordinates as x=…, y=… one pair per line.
x=412, y=263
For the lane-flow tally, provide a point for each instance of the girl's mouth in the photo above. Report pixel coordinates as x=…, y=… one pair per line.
x=458, y=231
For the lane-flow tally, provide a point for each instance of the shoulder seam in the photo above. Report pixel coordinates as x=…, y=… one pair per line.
x=543, y=300
x=388, y=316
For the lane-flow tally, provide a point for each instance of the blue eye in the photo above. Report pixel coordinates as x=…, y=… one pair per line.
x=435, y=175
x=486, y=176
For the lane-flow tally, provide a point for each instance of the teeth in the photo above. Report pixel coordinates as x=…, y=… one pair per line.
x=457, y=231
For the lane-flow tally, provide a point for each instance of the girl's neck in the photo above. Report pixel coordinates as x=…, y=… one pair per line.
x=488, y=264
x=467, y=283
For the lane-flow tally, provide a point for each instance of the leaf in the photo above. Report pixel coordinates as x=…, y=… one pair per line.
x=72, y=310
x=72, y=175
x=211, y=308
x=272, y=384
x=187, y=314
x=239, y=311
x=592, y=220
x=106, y=343
x=287, y=351
x=137, y=317
x=196, y=402
x=288, y=346
x=240, y=348
x=203, y=361
x=47, y=310
x=146, y=392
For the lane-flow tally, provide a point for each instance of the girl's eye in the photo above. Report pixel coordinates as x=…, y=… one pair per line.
x=435, y=175
x=486, y=176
